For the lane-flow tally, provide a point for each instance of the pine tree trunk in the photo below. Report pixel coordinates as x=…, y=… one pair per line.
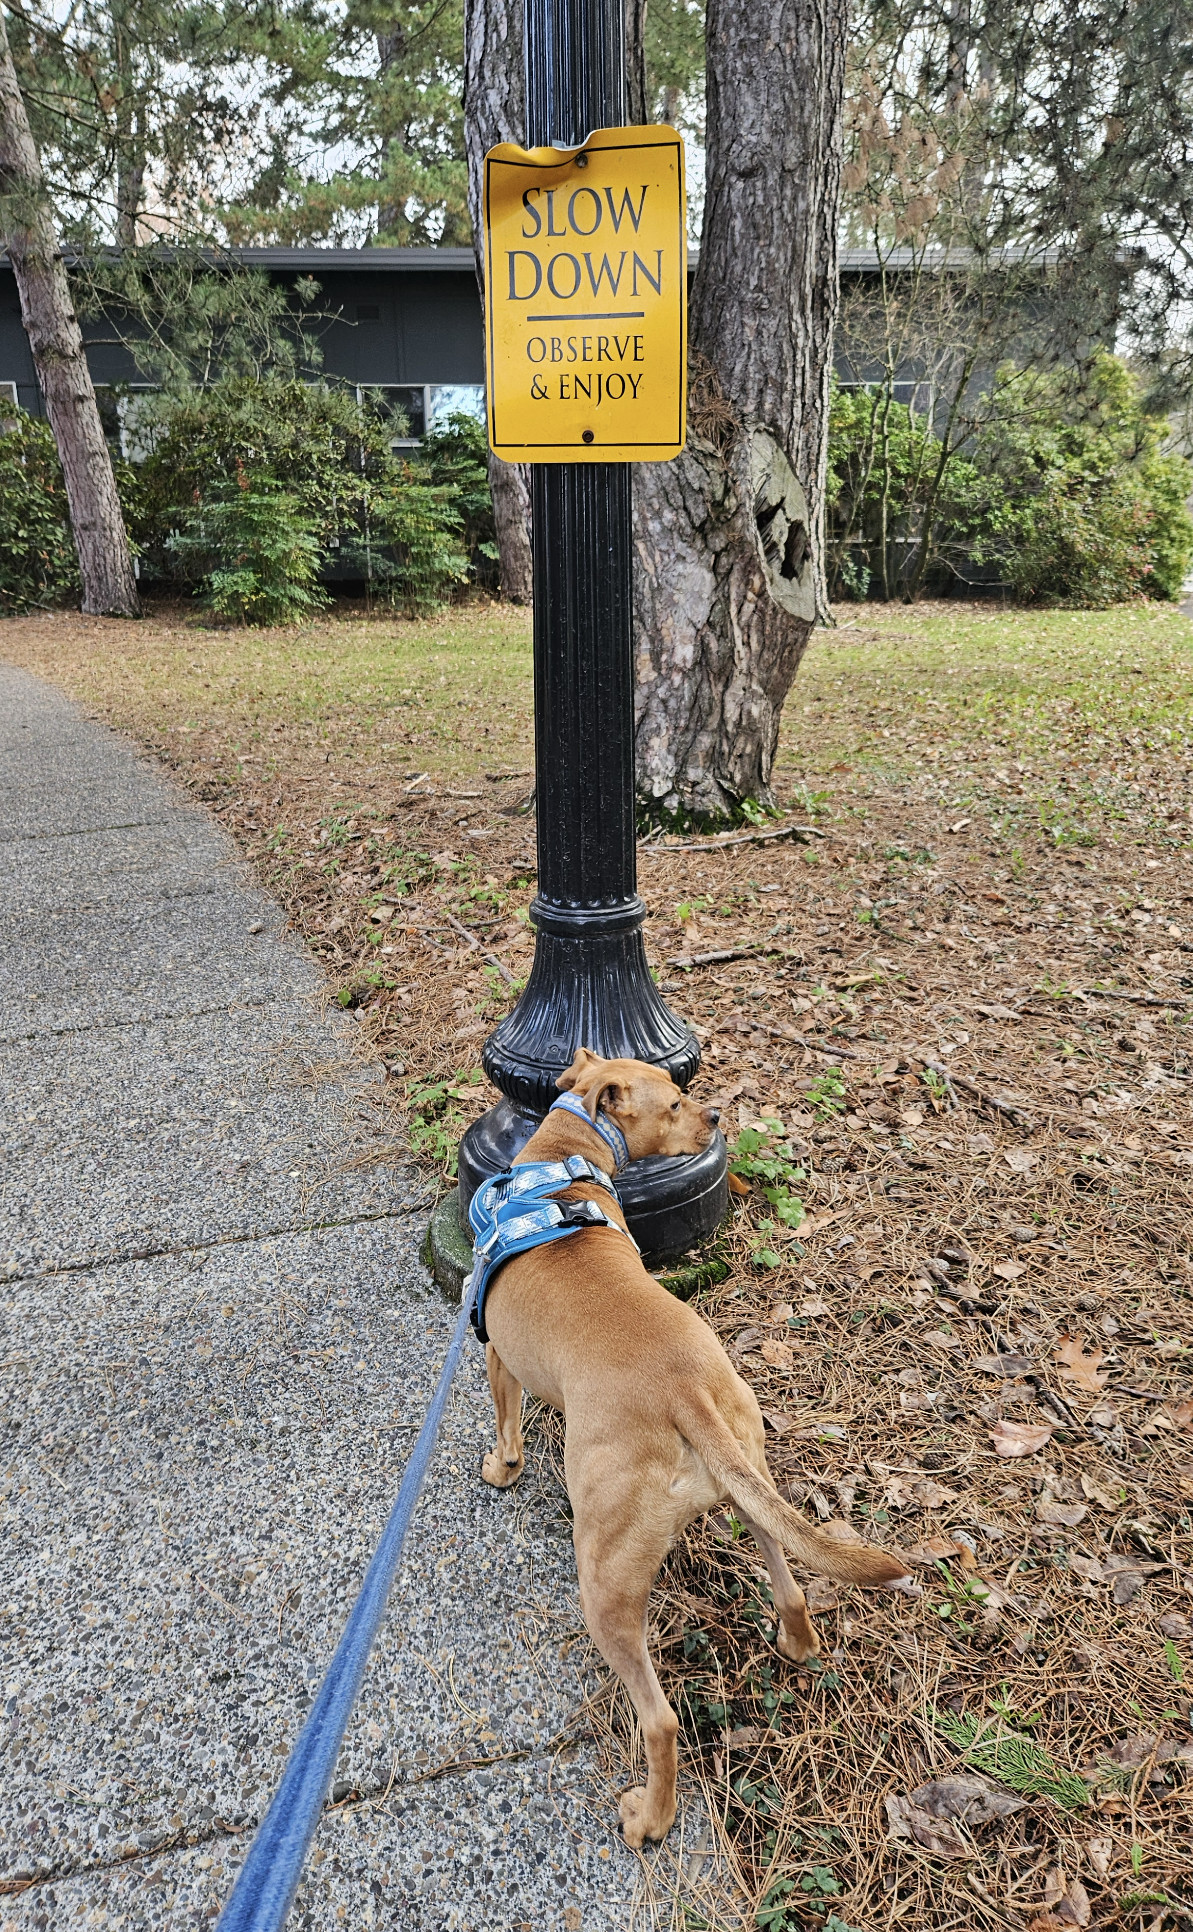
x=637, y=114
x=729, y=563
x=27, y=231
x=494, y=110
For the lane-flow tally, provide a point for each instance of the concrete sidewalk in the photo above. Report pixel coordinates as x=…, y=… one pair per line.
x=218, y=1343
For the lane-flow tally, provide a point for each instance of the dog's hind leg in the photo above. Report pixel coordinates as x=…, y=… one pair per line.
x=503, y=1465
x=797, y=1637
x=616, y=1573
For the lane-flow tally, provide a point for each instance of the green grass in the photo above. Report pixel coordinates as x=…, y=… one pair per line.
x=1022, y=683
x=966, y=693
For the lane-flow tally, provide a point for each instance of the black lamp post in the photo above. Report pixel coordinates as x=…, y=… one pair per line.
x=590, y=984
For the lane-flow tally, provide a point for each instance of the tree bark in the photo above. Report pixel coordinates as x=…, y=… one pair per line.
x=27, y=230
x=729, y=575
x=494, y=110
x=635, y=63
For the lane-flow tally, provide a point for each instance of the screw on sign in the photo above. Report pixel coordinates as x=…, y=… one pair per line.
x=586, y=298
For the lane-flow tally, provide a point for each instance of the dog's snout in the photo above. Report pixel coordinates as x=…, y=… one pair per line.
x=712, y=1115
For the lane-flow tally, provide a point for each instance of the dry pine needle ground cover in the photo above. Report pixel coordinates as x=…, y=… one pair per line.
x=950, y=1024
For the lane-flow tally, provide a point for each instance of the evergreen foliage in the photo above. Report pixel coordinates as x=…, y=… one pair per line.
x=37, y=555
x=455, y=453
x=316, y=478
x=1064, y=493
x=254, y=548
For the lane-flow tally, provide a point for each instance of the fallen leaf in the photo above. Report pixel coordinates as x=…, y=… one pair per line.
x=1020, y=1160
x=1060, y=1515
x=738, y=1186
x=778, y=1354
x=814, y=1306
x=912, y=1117
x=746, y=1735
x=1147, y=1747
x=1010, y=1365
x=972, y=1799
x=917, y=1402
x=1013, y=1439
x=1101, y=1851
x=997, y=1012
x=781, y=1311
x=1071, y=1907
x=1175, y=1626
x=1076, y=1366
x=1009, y=1270
x=1126, y=1586
x=1054, y=1886
x=1182, y=1414
x=1102, y=1497
x=908, y=1820
x=933, y=1495
x=1087, y=1566
x=821, y=1594
x=936, y=1338
x=779, y=1422
x=931, y=1551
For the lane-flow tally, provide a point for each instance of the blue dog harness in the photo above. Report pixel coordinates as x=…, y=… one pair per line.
x=514, y=1211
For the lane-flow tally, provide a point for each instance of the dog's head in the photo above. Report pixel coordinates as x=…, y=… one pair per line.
x=652, y=1113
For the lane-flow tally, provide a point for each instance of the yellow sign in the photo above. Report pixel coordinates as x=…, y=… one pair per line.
x=586, y=299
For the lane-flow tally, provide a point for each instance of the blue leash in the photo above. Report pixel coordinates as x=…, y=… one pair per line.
x=264, y=1891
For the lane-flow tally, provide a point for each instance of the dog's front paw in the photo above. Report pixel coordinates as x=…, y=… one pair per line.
x=800, y=1643
x=638, y=1822
x=495, y=1470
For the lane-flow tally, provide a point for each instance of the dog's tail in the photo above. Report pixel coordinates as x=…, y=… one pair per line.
x=760, y=1502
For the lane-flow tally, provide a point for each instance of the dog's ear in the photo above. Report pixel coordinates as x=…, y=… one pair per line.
x=571, y=1076
x=614, y=1097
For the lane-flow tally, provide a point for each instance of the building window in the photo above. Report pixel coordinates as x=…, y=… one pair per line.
x=457, y=399
x=406, y=403
x=916, y=396
x=8, y=393
x=423, y=404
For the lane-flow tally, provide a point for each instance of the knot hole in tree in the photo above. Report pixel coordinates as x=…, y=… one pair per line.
x=781, y=519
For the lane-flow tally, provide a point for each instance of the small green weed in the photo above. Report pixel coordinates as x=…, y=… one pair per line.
x=814, y=803
x=1058, y=824
x=765, y=1161
x=1175, y=1666
x=826, y=1095
x=435, y=1124
x=689, y=909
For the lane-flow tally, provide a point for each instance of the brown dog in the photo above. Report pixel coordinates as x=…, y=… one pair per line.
x=659, y=1426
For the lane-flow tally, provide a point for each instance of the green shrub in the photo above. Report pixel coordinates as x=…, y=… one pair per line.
x=1062, y=491
x=1071, y=492
x=38, y=568
x=255, y=549
x=408, y=548
x=455, y=453
x=362, y=509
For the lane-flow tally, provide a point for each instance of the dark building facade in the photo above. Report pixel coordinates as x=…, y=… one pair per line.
x=406, y=321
